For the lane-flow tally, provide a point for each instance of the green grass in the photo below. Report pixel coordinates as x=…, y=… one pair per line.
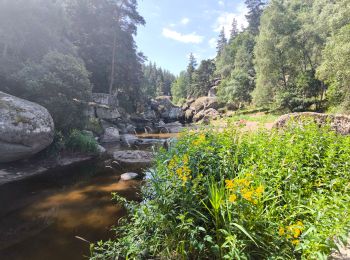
x=241, y=195
x=77, y=141
x=260, y=118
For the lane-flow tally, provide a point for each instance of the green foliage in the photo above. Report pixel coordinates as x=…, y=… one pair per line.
x=50, y=82
x=239, y=80
x=156, y=81
x=335, y=69
x=238, y=195
x=78, y=141
x=179, y=88
x=201, y=79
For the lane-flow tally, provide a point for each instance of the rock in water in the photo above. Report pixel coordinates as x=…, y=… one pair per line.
x=128, y=176
x=26, y=128
x=133, y=159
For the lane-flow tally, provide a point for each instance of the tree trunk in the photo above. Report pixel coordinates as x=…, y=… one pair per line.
x=111, y=83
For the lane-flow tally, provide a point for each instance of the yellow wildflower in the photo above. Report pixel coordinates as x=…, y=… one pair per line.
x=185, y=159
x=179, y=171
x=281, y=231
x=296, y=242
x=260, y=190
x=247, y=194
x=229, y=184
x=296, y=232
x=232, y=198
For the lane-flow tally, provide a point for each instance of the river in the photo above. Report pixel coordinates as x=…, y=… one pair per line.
x=53, y=215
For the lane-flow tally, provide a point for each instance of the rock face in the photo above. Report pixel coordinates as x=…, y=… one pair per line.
x=339, y=123
x=26, y=128
x=204, y=103
x=110, y=135
x=166, y=109
x=206, y=115
x=133, y=158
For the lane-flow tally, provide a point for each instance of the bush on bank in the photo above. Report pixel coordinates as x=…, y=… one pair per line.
x=238, y=195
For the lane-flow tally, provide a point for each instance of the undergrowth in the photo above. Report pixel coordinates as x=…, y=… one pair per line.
x=241, y=195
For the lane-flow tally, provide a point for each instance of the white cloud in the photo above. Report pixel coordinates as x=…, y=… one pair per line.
x=212, y=42
x=185, y=21
x=185, y=38
x=222, y=3
x=225, y=20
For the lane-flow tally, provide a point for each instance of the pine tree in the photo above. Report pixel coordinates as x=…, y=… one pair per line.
x=191, y=67
x=256, y=8
x=222, y=42
x=234, y=29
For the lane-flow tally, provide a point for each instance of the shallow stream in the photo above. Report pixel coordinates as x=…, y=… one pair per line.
x=53, y=215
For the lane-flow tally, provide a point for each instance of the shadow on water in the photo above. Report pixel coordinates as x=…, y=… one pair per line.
x=41, y=217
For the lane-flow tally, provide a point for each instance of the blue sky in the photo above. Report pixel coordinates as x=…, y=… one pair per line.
x=176, y=28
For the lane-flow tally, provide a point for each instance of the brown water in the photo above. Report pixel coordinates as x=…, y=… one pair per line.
x=50, y=216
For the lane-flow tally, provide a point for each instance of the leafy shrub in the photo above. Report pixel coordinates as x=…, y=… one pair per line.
x=81, y=142
x=238, y=195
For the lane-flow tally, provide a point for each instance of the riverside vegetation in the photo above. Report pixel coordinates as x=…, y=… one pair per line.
x=280, y=194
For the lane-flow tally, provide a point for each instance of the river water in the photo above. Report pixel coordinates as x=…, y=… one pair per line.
x=55, y=215
x=50, y=216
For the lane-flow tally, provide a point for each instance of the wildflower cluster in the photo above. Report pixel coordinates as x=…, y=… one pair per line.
x=200, y=140
x=292, y=232
x=183, y=172
x=244, y=186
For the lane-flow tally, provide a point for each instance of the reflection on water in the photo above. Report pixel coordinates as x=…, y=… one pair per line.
x=158, y=136
x=42, y=217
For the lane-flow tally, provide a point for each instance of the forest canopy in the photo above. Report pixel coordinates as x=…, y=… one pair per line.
x=55, y=51
x=292, y=56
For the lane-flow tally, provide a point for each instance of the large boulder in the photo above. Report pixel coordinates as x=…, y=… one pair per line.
x=26, y=128
x=133, y=159
x=339, y=123
x=206, y=115
x=166, y=109
x=173, y=114
x=110, y=135
x=204, y=103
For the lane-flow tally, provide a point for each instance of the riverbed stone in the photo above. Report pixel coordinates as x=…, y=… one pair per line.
x=129, y=176
x=26, y=128
x=133, y=158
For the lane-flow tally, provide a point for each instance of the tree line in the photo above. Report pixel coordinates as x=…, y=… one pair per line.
x=294, y=55
x=54, y=51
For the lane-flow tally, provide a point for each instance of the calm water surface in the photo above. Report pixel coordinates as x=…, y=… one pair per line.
x=44, y=217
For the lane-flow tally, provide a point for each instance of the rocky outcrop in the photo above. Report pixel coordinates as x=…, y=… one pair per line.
x=166, y=110
x=201, y=108
x=206, y=115
x=339, y=123
x=26, y=128
x=204, y=103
